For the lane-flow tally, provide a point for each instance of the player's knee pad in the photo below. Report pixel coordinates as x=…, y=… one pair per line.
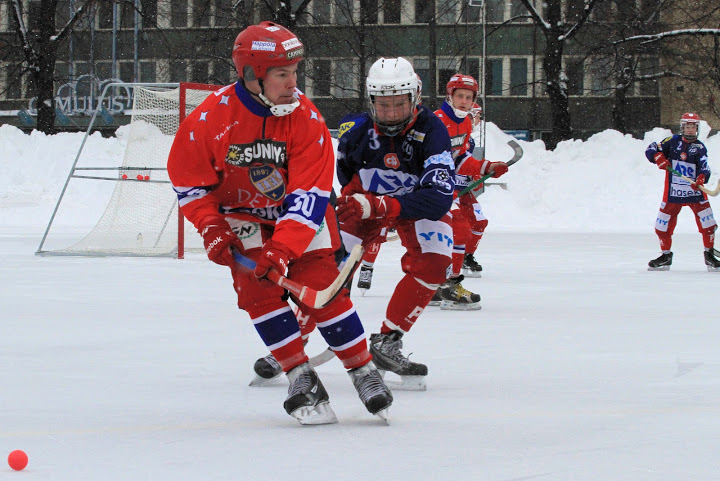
x=430, y=268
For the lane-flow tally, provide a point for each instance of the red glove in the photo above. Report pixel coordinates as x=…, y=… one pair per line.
x=274, y=256
x=698, y=182
x=661, y=161
x=217, y=239
x=498, y=169
x=366, y=206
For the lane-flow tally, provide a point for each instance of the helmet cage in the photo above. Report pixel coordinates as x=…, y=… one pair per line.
x=686, y=119
x=389, y=77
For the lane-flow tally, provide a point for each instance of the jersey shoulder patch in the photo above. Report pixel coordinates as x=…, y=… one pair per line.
x=350, y=121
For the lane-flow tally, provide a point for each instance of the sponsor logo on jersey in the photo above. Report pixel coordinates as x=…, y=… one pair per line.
x=263, y=151
x=683, y=156
x=246, y=230
x=268, y=181
x=295, y=53
x=226, y=130
x=290, y=44
x=457, y=140
x=260, y=45
x=391, y=160
x=415, y=135
x=344, y=128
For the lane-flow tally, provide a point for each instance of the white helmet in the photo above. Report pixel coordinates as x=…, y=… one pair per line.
x=388, y=77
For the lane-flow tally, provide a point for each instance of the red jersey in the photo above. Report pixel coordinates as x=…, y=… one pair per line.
x=232, y=157
x=460, y=129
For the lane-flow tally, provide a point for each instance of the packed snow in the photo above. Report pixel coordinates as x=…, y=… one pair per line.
x=581, y=365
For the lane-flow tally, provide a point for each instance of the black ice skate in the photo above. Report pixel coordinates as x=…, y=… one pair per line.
x=470, y=267
x=712, y=263
x=266, y=369
x=385, y=349
x=662, y=263
x=437, y=298
x=457, y=298
x=365, y=278
x=307, y=400
x=372, y=390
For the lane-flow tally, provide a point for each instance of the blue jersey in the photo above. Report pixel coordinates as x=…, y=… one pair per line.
x=688, y=158
x=415, y=167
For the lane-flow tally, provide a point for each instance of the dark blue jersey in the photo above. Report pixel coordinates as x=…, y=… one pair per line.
x=414, y=167
x=688, y=158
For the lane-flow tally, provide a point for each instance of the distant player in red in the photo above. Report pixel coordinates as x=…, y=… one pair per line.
x=468, y=220
x=253, y=170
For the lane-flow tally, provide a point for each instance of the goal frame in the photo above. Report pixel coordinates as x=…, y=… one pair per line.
x=74, y=169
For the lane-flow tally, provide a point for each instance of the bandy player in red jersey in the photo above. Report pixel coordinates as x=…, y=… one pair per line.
x=253, y=170
x=468, y=220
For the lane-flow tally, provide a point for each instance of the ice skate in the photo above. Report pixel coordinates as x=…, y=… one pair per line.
x=372, y=390
x=266, y=369
x=437, y=298
x=470, y=266
x=663, y=262
x=712, y=263
x=457, y=298
x=385, y=349
x=307, y=400
x=365, y=278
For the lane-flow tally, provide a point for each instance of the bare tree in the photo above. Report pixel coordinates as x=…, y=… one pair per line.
x=40, y=47
x=558, y=29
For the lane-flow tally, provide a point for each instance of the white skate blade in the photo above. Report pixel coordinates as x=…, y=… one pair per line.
x=406, y=383
x=713, y=269
x=469, y=273
x=314, y=415
x=434, y=303
x=454, y=306
x=663, y=268
x=384, y=414
x=261, y=381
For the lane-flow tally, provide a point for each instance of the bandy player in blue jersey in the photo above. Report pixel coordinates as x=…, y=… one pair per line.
x=685, y=154
x=396, y=171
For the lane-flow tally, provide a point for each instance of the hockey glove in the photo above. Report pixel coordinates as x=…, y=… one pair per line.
x=274, y=256
x=661, y=161
x=366, y=206
x=498, y=169
x=217, y=239
x=698, y=182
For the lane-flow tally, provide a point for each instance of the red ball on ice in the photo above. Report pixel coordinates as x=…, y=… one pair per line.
x=18, y=460
x=124, y=176
x=139, y=177
x=147, y=177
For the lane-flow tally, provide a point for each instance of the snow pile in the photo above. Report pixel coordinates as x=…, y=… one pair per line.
x=602, y=185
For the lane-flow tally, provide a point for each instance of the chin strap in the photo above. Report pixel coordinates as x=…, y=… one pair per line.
x=280, y=110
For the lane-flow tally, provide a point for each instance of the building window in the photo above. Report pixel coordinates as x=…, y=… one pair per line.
x=518, y=76
x=321, y=78
x=422, y=68
x=344, y=12
x=447, y=67
x=649, y=66
x=222, y=73
x=369, y=11
x=495, y=11
x=127, y=15
x=344, y=79
x=493, y=76
x=179, y=16
x=148, y=72
x=471, y=13
x=517, y=9
x=200, y=71
x=201, y=13
x=178, y=70
x=391, y=11
x=105, y=15
x=13, y=82
x=148, y=18
x=447, y=11
x=127, y=71
x=423, y=12
x=321, y=12
x=600, y=77
x=575, y=71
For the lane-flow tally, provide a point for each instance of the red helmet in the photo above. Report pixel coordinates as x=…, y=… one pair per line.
x=460, y=81
x=265, y=45
x=689, y=118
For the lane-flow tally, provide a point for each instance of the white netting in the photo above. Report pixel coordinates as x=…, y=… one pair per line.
x=141, y=217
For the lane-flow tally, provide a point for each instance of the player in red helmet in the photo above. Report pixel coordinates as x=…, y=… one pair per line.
x=684, y=154
x=468, y=220
x=253, y=170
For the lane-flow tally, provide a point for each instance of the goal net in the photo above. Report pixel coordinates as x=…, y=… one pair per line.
x=141, y=217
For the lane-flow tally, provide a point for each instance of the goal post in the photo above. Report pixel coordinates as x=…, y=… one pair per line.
x=141, y=217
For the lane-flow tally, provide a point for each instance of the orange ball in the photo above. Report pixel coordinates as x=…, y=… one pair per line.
x=18, y=460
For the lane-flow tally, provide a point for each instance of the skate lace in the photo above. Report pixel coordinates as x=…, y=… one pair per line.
x=302, y=384
x=391, y=349
x=270, y=359
x=369, y=385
